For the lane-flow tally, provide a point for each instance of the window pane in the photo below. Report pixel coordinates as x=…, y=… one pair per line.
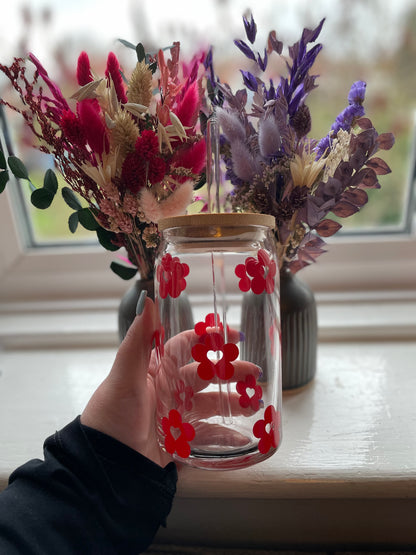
x=370, y=40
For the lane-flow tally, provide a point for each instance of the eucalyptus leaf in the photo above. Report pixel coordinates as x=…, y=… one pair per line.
x=141, y=54
x=128, y=44
x=18, y=168
x=41, y=198
x=70, y=198
x=201, y=182
x=4, y=178
x=87, y=220
x=105, y=239
x=50, y=181
x=123, y=271
x=3, y=163
x=73, y=222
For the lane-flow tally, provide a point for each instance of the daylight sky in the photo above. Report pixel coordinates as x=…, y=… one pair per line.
x=102, y=21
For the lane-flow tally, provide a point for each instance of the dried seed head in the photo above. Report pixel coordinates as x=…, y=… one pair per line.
x=140, y=86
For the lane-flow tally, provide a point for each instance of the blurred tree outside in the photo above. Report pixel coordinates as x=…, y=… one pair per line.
x=360, y=41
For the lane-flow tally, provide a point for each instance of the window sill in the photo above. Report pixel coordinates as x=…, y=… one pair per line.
x=345, y=474
x=84, y=323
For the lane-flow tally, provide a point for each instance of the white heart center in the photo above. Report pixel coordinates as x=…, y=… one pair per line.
x=215, y=356
x=250, y=392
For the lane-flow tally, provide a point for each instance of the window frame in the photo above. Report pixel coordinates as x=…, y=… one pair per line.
x=374, y=264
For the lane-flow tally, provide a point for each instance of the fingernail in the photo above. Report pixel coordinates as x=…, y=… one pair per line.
x=259, y=368
x=140, y=302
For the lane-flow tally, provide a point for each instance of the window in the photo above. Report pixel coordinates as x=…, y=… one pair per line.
x=377, y=250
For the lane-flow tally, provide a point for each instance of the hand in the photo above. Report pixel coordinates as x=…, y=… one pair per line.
x=124, y=405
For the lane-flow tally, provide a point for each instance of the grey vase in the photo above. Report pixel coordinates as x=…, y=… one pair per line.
x=299, y=331
x=128, y=303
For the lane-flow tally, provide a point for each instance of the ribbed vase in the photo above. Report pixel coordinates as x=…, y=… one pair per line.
x=299, y=331
x=128, y=303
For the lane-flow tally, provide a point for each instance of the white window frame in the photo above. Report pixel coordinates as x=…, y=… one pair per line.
x=374, y=264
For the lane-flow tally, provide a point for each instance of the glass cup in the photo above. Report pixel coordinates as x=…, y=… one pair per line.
x=219, y=376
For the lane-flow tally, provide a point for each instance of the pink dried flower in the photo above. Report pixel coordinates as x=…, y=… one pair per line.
x=158, y=154
x=113, y=70
x=84, y=74
x=188, y=108
x=147, y=145
x=72, y=128
x=108, y=207
x=93, y=126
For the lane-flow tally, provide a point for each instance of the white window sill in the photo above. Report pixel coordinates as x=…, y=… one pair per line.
x=345, y=475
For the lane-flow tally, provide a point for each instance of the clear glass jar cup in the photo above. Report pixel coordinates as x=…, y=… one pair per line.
x=219, y=377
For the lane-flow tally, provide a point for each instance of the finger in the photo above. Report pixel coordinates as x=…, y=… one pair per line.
x=242, y=369
x=215, y=434
x=177, y=351
x=133, y=356
x=214, y=403
x=179, y=347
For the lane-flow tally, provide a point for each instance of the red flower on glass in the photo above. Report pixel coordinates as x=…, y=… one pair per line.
x=158, y=338
x=250, y=392
x=178, y=434
x=171, y=275
x=222, y=353
x=211, y=321
x=183, y=396
x=257, y=274
x=267, y=430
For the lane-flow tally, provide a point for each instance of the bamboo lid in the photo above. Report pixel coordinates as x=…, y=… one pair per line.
x=229, y=219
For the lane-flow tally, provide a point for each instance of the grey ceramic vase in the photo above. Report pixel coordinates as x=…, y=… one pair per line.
x=299, y=331
x=128, y=303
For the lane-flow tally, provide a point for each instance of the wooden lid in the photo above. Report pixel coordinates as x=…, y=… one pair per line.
x=229, y=219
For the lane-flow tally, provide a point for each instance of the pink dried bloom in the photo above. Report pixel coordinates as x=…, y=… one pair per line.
x=84, y=74
x=55, y=90
x=130, y=204
x=94, y=127
x=124, y=222
x=188, y=108
x=108, y=207
x=191, y=157
x=72, y=128
x=113, y=70
x=147, y=145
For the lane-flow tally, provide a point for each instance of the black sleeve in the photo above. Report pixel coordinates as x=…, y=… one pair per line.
x=91, y=495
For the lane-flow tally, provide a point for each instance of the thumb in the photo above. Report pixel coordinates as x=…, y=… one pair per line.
x=133, y=356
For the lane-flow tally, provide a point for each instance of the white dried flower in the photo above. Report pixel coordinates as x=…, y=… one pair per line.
x=174, y=205
x=340, y=152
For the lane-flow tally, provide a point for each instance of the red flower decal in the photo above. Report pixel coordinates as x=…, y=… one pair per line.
x=177, y=434
x=171, y=275
x=250, y=392
x=183, y=396
x=267, y=430
x=223, y=353
x=211, y=321
x=158, y=338
x=257, y=274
